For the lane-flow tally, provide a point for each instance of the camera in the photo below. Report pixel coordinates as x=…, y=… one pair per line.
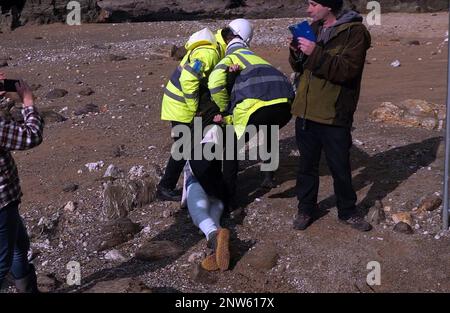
x=8, y=85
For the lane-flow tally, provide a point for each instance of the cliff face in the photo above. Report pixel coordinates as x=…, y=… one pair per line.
x=15, y=13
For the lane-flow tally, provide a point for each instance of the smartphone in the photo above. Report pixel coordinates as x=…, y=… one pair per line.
x=302, y=30
x=8, y=85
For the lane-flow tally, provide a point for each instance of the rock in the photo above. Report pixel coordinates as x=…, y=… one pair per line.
x=51, y=116
x=396, y=63
x=114, y=233
x=123, y=195
x=376, y=214
x=70, y=187
x=56, y=93
x=262, y=257
x=116, y=58
x=115, y=255
x=166, y=214
x=88, y=108
x=403, y=228
x=199, y=275
x=94, y=166
x=404, y=217
x=70, y=206
x=196, y=257
x=157, y=250
x=47, y=283
x=86, y=91
x=136, y=171
x=113, y=172
x=3, y=63
x=47, y=225
x=430, y=203
x=414, y=43
x=122, y=285
x=411, y=113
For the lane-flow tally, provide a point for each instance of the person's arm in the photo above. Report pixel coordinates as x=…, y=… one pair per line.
x=202, y=62
x=26, y=135
x=345, y=67
x=217, y=83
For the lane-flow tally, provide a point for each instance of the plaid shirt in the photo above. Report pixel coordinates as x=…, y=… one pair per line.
x=15, y=136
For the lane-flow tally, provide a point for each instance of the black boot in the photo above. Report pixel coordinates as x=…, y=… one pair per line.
x=269, y=181
x=165, y=194
x=28, y=284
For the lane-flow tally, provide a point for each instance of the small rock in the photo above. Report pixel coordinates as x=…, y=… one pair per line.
x=403, y=228
x=114, y=233
x=396, y=63
x=136, y=171
x=70, y=206
x=86, y=91
x=430, y=203
x=88, y=108
x=196, y=256
x=70, y=187
x=113, y=172
x=404, y=217
x=263, y=257
x=166, y=214
x=56, y=93
x=3, y=63
x=94, y=166
x=115, y=255
x=157, y=250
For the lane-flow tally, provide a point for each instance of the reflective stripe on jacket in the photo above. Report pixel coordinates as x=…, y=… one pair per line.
x=259, y=84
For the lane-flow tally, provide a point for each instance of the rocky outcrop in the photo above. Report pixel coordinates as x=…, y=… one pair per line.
x=19, y=12
x=15, y=13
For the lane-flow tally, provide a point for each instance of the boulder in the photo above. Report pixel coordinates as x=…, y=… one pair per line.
x=114, y=233
x=157, y=250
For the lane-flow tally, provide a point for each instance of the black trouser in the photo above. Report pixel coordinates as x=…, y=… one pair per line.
x=173, y=168
x=277, y=114
x=336, y=141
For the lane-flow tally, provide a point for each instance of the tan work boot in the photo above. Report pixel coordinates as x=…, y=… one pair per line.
x=209, y=263
x=223, y=249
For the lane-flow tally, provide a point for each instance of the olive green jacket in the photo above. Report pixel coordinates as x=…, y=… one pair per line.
x=330, y=81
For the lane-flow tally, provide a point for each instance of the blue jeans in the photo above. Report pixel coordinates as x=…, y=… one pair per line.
x=14, y=243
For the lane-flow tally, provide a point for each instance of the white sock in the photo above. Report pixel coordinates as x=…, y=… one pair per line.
x=207, y=227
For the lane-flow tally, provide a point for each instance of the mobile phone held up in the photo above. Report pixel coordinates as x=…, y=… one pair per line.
x=303, y=30
x=8, y=85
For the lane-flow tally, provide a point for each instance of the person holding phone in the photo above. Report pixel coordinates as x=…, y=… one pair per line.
x=330, y=73
x=14, y=240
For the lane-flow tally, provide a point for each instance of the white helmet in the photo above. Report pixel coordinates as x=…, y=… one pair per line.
x=242, y=28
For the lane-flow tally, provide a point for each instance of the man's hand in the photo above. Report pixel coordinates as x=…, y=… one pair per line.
x=306, y=46
x=233, y=68
x=25, y=93
x=218, y=118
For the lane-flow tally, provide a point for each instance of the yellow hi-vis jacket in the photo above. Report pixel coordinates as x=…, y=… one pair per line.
x=259, y=84
x=181, y=95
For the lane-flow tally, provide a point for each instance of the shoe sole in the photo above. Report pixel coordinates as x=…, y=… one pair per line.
x=209, y=263
x=223, y=249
